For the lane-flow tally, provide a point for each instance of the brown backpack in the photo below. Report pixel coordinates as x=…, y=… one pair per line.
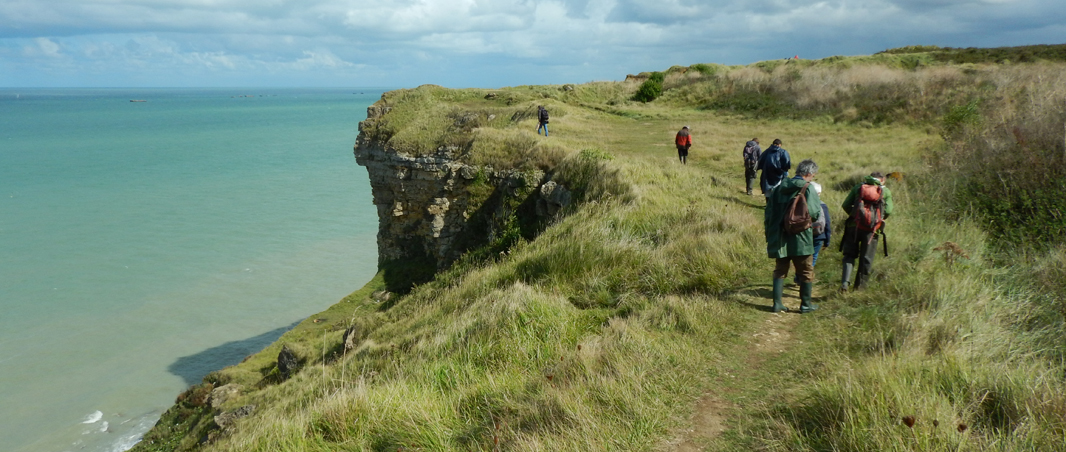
x=797, y=217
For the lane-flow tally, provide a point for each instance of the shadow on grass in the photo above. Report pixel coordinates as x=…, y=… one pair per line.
x=755, y=202
x=193, y=368
x=746, y=295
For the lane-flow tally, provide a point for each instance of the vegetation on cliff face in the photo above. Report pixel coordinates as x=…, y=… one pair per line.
x=632, y=321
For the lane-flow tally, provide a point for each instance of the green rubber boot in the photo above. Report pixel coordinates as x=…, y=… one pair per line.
x=806, y=289
x=779, y=291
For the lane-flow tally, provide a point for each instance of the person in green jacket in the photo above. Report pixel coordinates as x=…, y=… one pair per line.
x=857, y=243
x=788, y=249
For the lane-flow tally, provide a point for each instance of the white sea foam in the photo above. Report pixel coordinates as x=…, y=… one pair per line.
x=127, y=441
x=104, y=427
x=93, y=418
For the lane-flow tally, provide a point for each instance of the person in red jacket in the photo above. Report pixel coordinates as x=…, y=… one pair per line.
x=683, y=140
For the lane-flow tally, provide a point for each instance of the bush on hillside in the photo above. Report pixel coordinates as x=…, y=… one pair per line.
x=651, y=89
x=705, y=69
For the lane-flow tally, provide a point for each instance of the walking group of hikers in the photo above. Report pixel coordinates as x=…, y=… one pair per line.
x=797, y=223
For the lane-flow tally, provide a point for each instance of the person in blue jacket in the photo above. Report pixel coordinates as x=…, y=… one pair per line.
x=774, y=164
x=823, y=225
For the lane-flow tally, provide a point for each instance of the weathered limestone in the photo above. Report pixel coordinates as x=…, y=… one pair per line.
x=425, y=202
x=226, y=420
x=221, y=394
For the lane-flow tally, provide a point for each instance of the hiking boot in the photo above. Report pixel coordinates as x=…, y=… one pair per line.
x=806, y=289
x=845, y=278
x=860, y=282
x=779, y=291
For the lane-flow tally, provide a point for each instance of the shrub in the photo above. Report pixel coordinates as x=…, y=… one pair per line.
x=651, y=89
x=705, y=69
x=960, y=116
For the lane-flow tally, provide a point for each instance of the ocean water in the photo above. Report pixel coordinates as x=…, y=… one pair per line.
x=144, y=244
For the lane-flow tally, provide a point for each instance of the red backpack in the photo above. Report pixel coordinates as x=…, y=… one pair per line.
x=869, y=210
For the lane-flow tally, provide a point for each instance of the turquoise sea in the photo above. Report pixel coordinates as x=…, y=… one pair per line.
x=144, y=244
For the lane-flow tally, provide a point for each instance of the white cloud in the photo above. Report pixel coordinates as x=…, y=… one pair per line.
x=591, y=39
x=45, y=47
x=320, y=59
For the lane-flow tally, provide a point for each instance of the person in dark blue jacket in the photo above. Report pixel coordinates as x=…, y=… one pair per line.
x=774, y=164
x=821, y=241
x=542, y=119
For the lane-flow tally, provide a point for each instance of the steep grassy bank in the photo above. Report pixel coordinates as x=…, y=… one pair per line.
x=646, y=305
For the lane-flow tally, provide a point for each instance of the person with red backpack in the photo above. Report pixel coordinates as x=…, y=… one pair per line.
x=791, y=209
x=868, y=205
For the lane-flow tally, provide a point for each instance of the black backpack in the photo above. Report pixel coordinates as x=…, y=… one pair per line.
x=749, y=155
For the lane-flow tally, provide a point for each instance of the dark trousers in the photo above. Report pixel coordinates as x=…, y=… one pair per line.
x=749, y=177
x=861, y=245
x=804, y=267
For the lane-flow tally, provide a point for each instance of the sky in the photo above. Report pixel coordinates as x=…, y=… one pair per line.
x=470, y=43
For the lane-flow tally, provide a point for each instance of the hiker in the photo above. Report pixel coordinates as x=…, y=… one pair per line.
x=868, y=205
x=774, y=164
x=821, y=229
x=542, y=118
x=793, y=245
x=683, y=140
x=752, y=151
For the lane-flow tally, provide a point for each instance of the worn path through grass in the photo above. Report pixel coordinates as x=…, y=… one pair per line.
x=770, y=363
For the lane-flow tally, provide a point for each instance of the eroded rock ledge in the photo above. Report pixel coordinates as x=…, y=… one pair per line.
x=433, y=206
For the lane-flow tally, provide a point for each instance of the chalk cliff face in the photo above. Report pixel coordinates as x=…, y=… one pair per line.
x=434, y=206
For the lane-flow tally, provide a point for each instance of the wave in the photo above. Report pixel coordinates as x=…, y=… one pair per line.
x=93, y=418
x=134, y=436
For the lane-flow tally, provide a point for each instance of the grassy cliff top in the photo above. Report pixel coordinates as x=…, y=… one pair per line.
x=643, y=325
x=915, y=85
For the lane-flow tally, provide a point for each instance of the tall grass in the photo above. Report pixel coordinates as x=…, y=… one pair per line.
x=601, y=332
x=1006, y=151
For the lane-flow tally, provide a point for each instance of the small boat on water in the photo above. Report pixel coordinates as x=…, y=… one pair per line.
x=138, y=100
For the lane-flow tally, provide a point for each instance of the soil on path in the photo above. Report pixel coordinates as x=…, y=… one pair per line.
x=712, y=413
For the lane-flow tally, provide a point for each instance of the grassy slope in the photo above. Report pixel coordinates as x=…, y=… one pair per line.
x=640, y=325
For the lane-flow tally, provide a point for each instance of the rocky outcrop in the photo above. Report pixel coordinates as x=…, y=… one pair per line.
x=433, y=206
x=222, y=394
x=288, y=363
x=226, y=420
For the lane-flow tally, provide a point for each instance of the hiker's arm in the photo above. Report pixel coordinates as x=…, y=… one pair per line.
x=849, y=201
x=887, y=194
x=814, y=204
